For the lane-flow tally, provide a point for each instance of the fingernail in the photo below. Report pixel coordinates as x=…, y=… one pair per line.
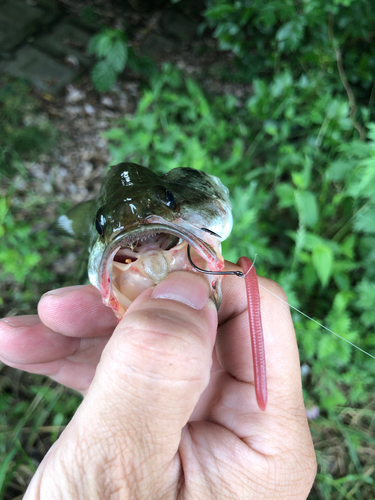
x=7, y=321
x=17, y=321
x=185, y=287
x=60, y=292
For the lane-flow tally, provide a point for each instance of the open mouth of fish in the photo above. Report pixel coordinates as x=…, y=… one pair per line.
x=142, y=256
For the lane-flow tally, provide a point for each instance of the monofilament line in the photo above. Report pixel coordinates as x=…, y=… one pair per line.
x=317, y=322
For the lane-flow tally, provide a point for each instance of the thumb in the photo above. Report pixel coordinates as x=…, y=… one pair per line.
x=157, y=364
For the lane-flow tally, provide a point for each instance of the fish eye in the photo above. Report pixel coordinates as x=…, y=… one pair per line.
x=100, y=221
x=170, y=200
x=99, y=227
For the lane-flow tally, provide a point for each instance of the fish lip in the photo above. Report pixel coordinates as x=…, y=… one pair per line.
x=150, y=226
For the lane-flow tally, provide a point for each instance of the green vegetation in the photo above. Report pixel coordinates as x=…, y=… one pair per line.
x=24, y=132
x=32, y=415
x=305, y=37
x=27, y=251
x=32, y=412
x=110, y=46
x=296, y=148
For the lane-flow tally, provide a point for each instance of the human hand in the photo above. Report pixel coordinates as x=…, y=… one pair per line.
x=162, y=416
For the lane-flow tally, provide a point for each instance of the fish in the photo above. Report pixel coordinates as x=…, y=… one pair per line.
x=140, y=225
x=143, y=226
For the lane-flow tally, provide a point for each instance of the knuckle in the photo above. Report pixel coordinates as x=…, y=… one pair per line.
x=164, y=334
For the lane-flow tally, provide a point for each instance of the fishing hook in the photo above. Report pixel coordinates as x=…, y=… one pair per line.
x=240, y=274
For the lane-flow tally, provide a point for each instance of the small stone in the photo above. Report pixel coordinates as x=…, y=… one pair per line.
x=72, y=60
x=19, y=183
x=313, y=412
x=74, y=95
x=74, y=110
x=102, y=124
x=101, y=143
x=87, y=155
x=87, y=168
x=63, y=172
x=108, y=114
x=63, y=159
x=107, y=101
x=90, y=110
x=305, y=370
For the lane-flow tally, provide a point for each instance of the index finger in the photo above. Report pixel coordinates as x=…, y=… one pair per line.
x=77, y=311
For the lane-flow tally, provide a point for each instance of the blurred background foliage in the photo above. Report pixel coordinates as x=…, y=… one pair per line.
x=298, y=155
x=22, y=134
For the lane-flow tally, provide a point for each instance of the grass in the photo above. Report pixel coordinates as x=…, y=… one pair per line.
x=33, y=412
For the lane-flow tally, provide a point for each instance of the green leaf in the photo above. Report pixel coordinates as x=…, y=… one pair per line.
x=103, y=76
x=3, y=209
x=194, y=90
x=219, y=11
x=118, y=55
x=100, y=44
x=142, y=65
x=322, y=259
x=327, y=346
x=286, y=194
x=290, y=34
x=6, y=465
x=366, y=301
x=115, y=134
x=307, y=207
x=270, y=127
x=363, y=179
x=339, y=169
x=364, y=220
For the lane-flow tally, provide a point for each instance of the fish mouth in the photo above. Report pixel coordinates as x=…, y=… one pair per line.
x=146, y=243
x=142, y=256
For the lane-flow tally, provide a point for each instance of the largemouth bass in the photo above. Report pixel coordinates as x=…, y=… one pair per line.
x=144, y=226
x=141, y=224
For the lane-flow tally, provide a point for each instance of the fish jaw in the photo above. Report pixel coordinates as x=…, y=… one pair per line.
x=122, y=270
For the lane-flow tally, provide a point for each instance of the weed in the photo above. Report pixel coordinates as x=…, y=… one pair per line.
x=24, y=131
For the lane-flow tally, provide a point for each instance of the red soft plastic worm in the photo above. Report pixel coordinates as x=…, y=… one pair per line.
x=256, y=331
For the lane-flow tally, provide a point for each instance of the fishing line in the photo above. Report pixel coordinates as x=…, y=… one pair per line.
x=317, y=322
